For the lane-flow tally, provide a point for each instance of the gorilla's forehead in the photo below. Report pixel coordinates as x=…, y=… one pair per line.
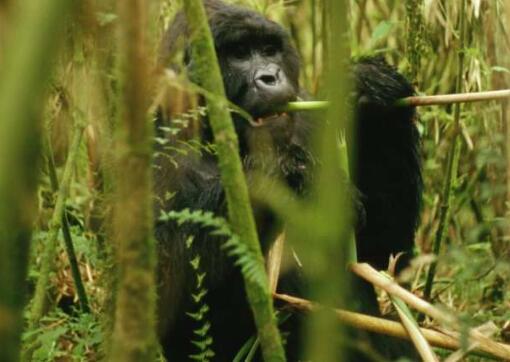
x=233, y=24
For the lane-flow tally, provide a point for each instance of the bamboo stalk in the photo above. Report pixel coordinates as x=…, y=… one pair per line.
x=68, y=240
x=488, y=329
x=390, y=328
x=330, y=221
x=39, y=302
x=274, y=261
x=134, y=330
x=412, y=328
x=306, y=106
x=500, y=246
x=414, y=36
x=418, y=101
x=368, y=273
x=415, y=101
x=414, y=331
x=207, y=71
x=31, y=44
x=452, y=165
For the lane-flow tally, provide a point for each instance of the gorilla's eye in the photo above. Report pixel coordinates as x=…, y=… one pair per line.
x=239, y=51
x=270, y=50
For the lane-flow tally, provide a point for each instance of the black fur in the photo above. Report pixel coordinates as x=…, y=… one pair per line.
x=387, y=175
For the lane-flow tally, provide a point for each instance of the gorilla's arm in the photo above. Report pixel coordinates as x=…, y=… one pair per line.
x=387, y=164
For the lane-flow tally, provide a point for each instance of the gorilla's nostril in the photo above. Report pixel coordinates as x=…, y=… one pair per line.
x=268, y=79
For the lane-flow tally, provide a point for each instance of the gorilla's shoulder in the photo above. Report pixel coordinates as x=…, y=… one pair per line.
x=379, y=81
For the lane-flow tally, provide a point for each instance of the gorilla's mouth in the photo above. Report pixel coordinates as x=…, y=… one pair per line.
x=261, y=121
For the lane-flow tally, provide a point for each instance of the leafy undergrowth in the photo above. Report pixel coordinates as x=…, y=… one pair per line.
x=64, y=337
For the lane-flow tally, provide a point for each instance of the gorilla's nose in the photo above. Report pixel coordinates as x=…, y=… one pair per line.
x=273, y=87
x=268, y=78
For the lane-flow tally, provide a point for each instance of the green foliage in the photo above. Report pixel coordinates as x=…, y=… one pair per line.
x=203, y=340
x=416, y=44
x=244, y=258
x=74, y=338
x=381, y=31
x=206, y=71
x=61, y=335
x=473, y=269
x=171, y=144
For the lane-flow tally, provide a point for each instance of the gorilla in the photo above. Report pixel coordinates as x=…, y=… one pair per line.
x=260, y=69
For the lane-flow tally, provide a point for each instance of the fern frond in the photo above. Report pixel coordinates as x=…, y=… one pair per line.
x=244, y=258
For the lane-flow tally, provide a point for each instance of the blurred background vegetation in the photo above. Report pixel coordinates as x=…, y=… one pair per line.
x=81, y=79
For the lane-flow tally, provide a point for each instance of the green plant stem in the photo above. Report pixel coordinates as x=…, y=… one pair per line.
x=442, y=99
x=395, y=329
x=40, y=300
x=134, y=331
x=452, y=165
x=68, y=240
x=415, y=30
x=313, y=16
x=27, y=61
x=329, y=224
x=412, y=327
x=306, y=106
x=240, y=214
x=415, y=101
x=344, y=166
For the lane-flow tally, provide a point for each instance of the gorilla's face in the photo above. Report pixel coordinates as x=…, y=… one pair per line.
x=260, y=67
x=255, y=75
x=260, y=70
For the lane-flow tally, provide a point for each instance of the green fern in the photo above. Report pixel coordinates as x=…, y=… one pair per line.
x=203, y=340
x=244, y=258
x=172, y=131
